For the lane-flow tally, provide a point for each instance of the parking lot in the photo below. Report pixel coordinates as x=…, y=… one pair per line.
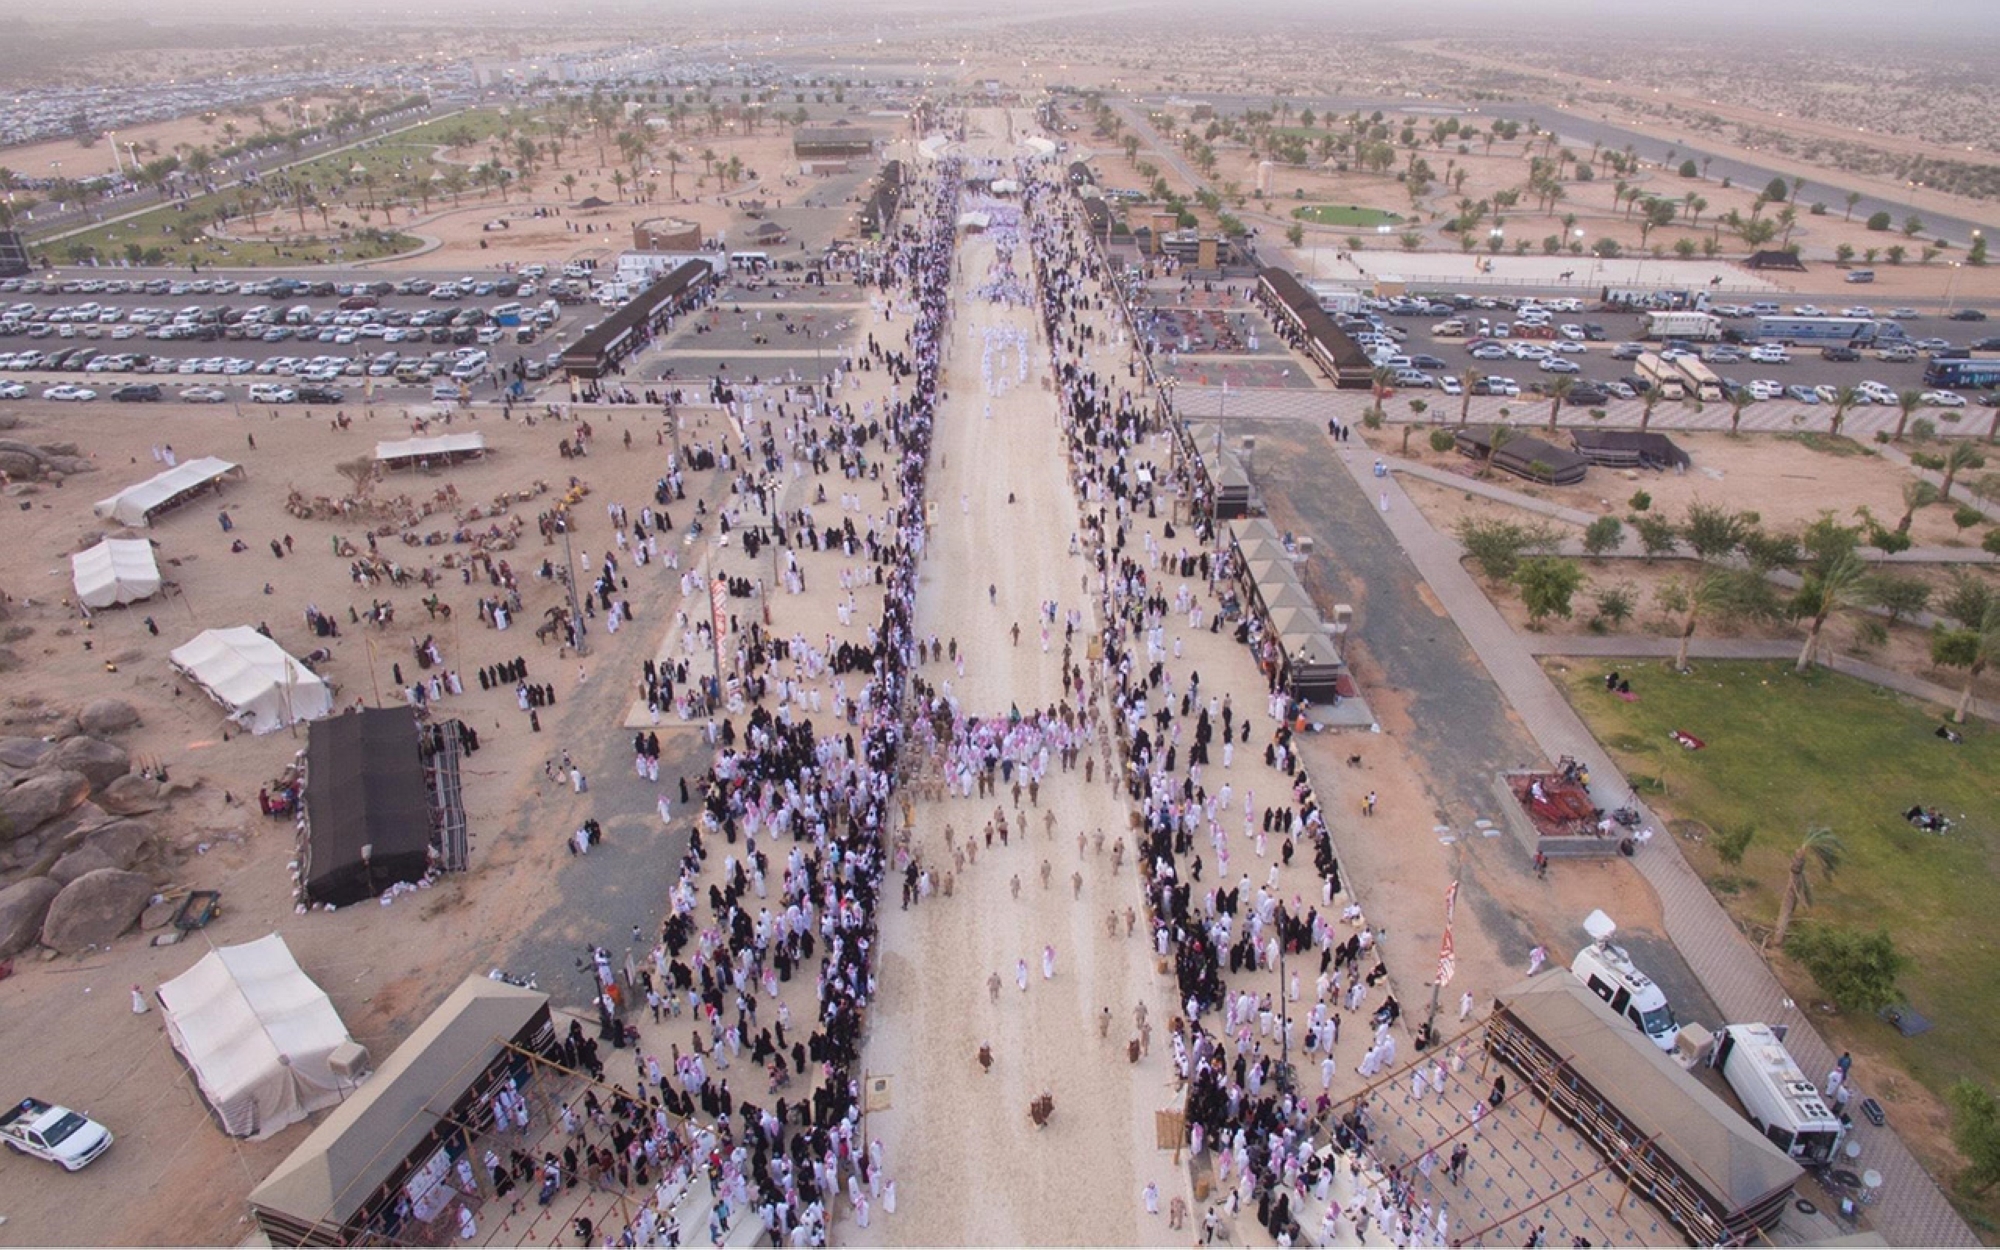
x=211, y=339
x=1591, y=341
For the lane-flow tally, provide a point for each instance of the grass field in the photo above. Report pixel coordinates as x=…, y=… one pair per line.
x=1346, y=215
x=1784, y=753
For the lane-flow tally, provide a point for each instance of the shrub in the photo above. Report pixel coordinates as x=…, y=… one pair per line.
x=1881, y=221
x=1991, y=542
x=1641, y=501
x=1617, y=603
x=1858, y=971
x=1605, y=534
x=1442, y=440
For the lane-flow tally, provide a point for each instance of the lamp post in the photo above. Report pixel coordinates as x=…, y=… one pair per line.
x=1951, y=285
x=575, y=607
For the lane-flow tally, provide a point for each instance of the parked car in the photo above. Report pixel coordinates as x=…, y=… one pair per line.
x=203, y=395
x=1450, y=385
x=1804, y=394
x=1842, y=354
x=321, y=395
x=1968, y=314
x=67, y=393
x=1943, y=399
x=1556, y=364
x=48, y=1131
x=1628, y=351
x=1770, y=354
x=1765, y=388
x=13, y=390
x=139, y=393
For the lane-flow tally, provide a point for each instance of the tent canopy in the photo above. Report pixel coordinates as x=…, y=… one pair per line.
x=258, y=1034
x=263, y=688
x=364, y=1142
x=365, y=792
x=138, y=505
x=435, y=447
x=115, y=571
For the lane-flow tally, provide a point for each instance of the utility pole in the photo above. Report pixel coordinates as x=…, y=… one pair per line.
x=575, y=606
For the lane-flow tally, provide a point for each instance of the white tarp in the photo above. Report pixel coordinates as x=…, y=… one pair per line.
x=435, y=446
x=974, y=220
x=135, y=505
x=263, y=687
x=258, y=1034
x=115, y=571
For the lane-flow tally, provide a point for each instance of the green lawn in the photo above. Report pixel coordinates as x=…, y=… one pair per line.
x=1346, y=215
x=1785, y=753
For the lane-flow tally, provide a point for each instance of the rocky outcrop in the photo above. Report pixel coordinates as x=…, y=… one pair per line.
x=23, y=906
x=103, y=717
x=132, y=795
x=101, y=761
x=84, y=859
x=95, y=909
x=24, y=752
x=38, y=800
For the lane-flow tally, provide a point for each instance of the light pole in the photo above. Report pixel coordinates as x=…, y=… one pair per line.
x=575, y=608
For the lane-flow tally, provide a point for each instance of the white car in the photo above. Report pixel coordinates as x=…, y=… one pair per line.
x=68, y=393
x=1556, y=364
x=1808, y=310
x=13, y=390
x=1621, y=390
x=1770, y=354
x=1451, y=385
x=1766, y=388
x=1489, y=351
x=1944, y=399
x=1569, y=347
x=203, y=395
x=54, y=1133
x=1857, y=310
x=272, y=393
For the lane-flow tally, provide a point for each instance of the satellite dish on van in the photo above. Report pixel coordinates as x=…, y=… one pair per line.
x=1599, y=926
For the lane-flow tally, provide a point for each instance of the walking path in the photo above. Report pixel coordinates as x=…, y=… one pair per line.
x=1912, y=1210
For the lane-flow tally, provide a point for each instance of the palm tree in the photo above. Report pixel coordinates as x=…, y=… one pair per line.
x=1647, y=404
x=1465, y=381
x=1497, y=436
x=674, y=159
x=1720, y=591
x=618, y=182
x=1843, y=399
x=1558, y=393
x=1738, y=401
x=1961, y=456
x=569, y=185
x=1842, y=584
x=1917, y=493
x=1818, y=846
x=1971, y=647
x=1908, y=401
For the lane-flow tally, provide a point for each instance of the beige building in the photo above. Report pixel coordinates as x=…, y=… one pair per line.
x=666, y=234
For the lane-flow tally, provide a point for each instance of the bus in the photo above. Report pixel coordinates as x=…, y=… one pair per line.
x=1851, y=331
x=1700, y=379
x=1660, y=376
x=1973, y=370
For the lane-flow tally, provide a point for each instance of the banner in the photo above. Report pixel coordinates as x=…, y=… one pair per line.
x=718, y=598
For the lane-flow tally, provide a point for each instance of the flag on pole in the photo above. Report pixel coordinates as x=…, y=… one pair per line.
x=1447, y=960
x=1450, y=903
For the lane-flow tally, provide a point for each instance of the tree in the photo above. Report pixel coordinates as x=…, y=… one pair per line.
x=1913, y=226
x=1689, y=169
x=1858, y=971
x=1843, y=399
x=1823, y=593
x=1917, y=493
x=1616, y=604
x=1898, y=596
x=1659, y=212
x=1976, y=254
x=1907, y=402
x=1975, y=1130
x=1546, y=584
x=1497, y=436
x=1739, y=399
x=1775, y=191
x=1713, y=532
x=1880, y=221
x=1720, y=591
x=1647, y=403
x=1558, y=393
x=1895, y=253
x=1971, y=647
x=1604, y=535
x=1497, y=547
x=1853, y=198
x=1961, y=456
x=360, y=472
x=1730, y=844
x=1819, y=847
x=1657, y=535
x=1465, y=381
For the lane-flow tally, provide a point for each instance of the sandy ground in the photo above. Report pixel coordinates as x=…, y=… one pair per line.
x=154, y=140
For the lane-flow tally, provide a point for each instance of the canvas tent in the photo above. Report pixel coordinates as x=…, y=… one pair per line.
x=368, y=811
x=263, y=688
x=259, y=1035
x=342, y=1185
x=138, y=505
x=437, y=447
x=115, y=571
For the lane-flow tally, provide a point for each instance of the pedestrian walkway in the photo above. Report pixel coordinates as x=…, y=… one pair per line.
x=1912, y=1209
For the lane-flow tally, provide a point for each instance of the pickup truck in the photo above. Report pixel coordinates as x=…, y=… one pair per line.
x=47, y=1131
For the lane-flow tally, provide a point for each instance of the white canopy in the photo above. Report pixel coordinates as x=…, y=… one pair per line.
x=437, y=446
x=115, y=571
x=1040, y=146
x=974, y=220
x=263, y=687
x=136, y=505
x=1005, y=186
x=258, y=1034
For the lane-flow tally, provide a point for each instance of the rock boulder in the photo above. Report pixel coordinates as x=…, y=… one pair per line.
x=80, y=861
x=22, y=907
x=101, y=761
x=102, y=717
x=131, y=795
x=94, y=909
x=121, y=841
x=38, y=800
x=24, y=752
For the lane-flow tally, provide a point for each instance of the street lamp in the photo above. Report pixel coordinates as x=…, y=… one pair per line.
x=1951, y=283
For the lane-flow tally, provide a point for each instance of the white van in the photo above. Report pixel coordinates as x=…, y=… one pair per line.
x=1609, y=973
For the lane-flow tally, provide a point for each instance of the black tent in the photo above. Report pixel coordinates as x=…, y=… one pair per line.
x=368, y=810
x=1775, y=260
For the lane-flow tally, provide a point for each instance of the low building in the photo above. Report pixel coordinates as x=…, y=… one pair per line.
x=837, y=142
x=666, y=234
x=1524, y=456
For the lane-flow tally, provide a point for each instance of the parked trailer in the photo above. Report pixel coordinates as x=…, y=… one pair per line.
x=1700, y=379
x=1851, y=331
x=1775, y=1094
x=1660, y=375
x=1698, y=327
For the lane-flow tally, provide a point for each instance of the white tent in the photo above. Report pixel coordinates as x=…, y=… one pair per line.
x=435, y=447
x=115, y=571
x=259, y=1035
x=263, y=687
x=137, y=505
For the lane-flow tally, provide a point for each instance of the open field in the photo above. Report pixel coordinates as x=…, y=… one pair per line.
x=1346, y=215
x=1785, y=753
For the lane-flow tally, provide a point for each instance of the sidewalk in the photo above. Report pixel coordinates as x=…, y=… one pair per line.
x=1912, y=1209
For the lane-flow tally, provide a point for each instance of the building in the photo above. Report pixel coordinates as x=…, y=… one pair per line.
x=838, y=142
x=666, y=234
x=635, y=323
x=1307, y=327
x=1524, y=456
x=14, y=260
